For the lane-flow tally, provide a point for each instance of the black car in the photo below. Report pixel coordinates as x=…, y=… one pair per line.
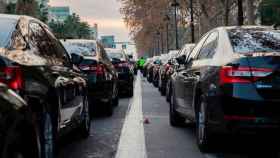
x=101, y=74
x=125, y=70
x=229, y=84
x=17, y=134
x=35, y=65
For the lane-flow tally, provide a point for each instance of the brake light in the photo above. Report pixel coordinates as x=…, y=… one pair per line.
x=230, y=74
x=99, y=69
x=12, y=76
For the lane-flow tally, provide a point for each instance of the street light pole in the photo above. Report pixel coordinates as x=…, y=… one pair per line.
x=162, y=44
x=192, y=21
x=175, y=4
x=158, y=43
x=167, y=19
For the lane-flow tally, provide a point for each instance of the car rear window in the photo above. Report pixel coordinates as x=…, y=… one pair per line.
x=7, y=26
x=116, y=55
x=254, y=40
x=80, y=47
x=88, y=62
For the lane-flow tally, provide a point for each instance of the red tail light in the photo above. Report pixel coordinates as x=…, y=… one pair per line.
x=99, y=69
x=12, y=76
x=230, y=74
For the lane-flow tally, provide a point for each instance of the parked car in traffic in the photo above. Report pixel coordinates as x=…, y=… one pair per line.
x=125, y=70
x=35, y=65
x=230, y=83
x=166, y=63
x=101, y=75
x=173, y=65
x=155, y=61
x=145, y=67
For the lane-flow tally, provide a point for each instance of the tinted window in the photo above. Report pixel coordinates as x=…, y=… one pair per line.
x=112, y=55
x=7, y=26
x=88, y=62
x=209, y=47
x=59, y=50
x=254, y=40
x=40, y=41
x=196, y=49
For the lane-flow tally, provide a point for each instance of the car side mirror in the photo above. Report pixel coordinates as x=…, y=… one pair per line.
x=181, y=60
x=189, y=62
x=76, y=59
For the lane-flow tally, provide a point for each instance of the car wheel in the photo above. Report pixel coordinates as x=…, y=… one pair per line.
x=203, y=134
x=86, y=121
x=116, y=101
x=109, y=109
x=174, y=117
x=168, y=92
x=46, y=135
x=130, y=92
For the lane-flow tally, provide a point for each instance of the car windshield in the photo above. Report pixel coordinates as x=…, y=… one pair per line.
x=115, y=55
x=75, y=49
x=254, y=40
x=84, y=48
x=6, y=28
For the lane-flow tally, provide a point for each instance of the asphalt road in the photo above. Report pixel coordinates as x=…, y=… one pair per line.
x=140, y=128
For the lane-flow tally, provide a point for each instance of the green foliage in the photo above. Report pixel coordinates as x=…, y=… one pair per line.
x=270, y=12
x=11, y=8
x=71, y=28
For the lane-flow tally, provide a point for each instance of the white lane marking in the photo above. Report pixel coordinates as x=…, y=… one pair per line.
x=132, y=140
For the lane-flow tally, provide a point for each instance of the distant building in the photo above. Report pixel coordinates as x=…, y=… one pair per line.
x=94, y=32
x=108, y=41
x=2, y=6
x=59, y=14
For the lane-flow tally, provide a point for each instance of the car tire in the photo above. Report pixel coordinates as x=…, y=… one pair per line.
x=116, y=101
x=130, y=92
x=84, y=129
x=168, y=92
x=109, y=108
x=174, y=117
x=46, y=133
x=203, y=135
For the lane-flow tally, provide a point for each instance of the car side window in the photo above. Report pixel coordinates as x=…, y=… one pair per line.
x=209, y=47
x=39, y=40
x=59, y=50
x=197, y=48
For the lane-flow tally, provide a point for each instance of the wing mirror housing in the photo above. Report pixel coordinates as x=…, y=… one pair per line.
x=76, y=59
x=181, y=59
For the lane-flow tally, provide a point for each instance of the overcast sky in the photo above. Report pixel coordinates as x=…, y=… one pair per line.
x=104, y=12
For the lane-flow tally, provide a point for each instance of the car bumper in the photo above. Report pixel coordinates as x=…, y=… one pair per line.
x=125, y=81
x=233, y=115
x=100, y=91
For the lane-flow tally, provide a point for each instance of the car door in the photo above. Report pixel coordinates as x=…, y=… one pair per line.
x=188, y=77
x=198, y=61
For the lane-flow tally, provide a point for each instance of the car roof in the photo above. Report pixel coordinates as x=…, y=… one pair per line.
x=12, y=17
x=245, y=27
